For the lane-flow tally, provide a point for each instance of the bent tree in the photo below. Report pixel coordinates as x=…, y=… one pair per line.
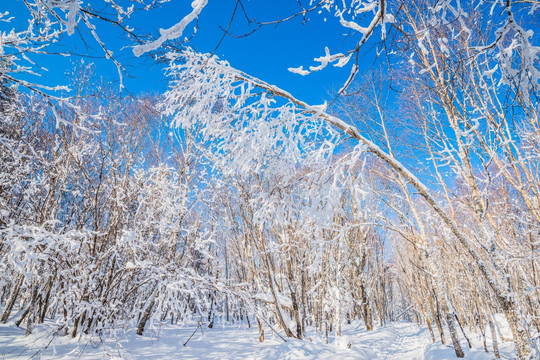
x=444, y=47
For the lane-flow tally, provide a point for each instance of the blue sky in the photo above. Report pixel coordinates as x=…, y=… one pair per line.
x=265, y=54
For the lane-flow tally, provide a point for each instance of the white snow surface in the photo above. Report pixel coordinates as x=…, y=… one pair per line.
x=394, y=341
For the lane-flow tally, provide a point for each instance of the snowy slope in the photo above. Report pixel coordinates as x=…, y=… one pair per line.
x=394, y=341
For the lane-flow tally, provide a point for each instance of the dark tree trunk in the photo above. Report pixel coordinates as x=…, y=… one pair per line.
x=12, y=299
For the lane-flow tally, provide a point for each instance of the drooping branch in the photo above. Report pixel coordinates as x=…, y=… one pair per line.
x=496, y=282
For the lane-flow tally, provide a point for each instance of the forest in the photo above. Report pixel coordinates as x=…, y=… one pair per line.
x=410, y=199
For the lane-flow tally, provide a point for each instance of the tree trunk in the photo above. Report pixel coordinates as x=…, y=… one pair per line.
x=430, y=327
x=30, y=320
x=271, y=283
x=261, y=330
x=493, y=337
x=519, y=334
x=453, y=333
x=12, y=299
x=366, y=310
x=463, y=332
x=295, y=311
x=146, y=315
x=437, y=320
x=43, y=311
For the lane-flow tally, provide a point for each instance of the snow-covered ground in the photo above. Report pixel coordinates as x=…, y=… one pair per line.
x=398, y=341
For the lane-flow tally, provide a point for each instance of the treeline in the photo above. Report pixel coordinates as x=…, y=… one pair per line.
x=115, y=220
x=97, y=219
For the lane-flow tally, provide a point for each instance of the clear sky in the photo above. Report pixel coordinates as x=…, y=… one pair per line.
x=266, y=53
